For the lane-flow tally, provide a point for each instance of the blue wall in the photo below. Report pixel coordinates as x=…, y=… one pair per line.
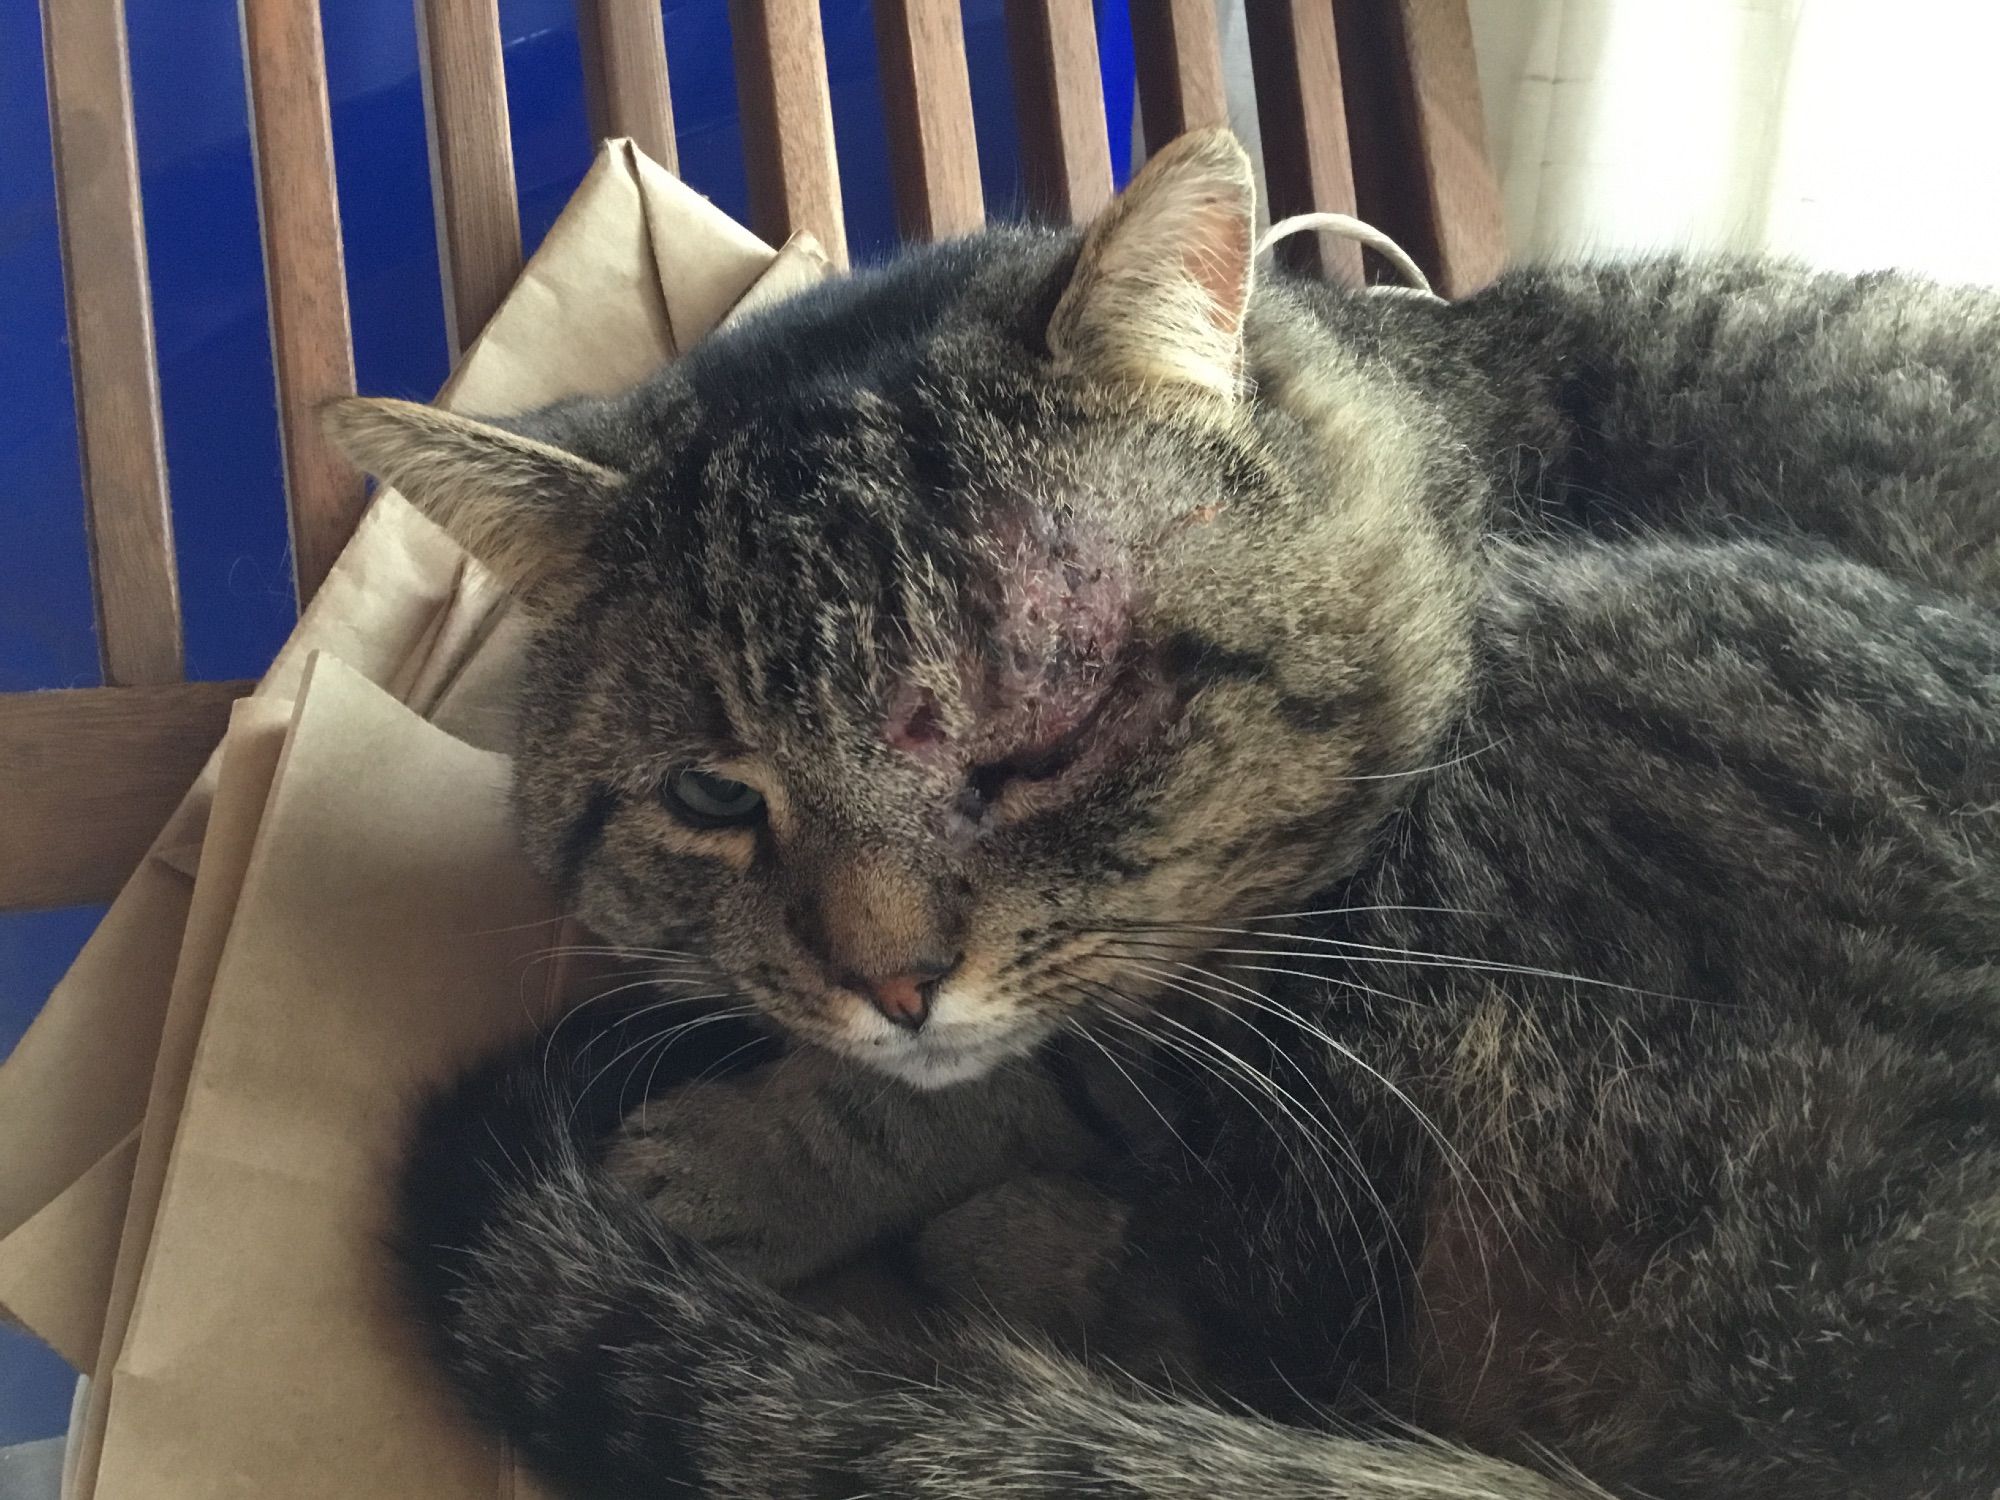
x=208, y=306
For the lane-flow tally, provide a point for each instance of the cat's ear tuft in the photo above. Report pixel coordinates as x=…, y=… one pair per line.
x=1159, y=291
x=524, y=508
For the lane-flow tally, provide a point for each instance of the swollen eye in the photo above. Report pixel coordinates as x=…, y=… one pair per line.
x=985, y=783
x=713, y=801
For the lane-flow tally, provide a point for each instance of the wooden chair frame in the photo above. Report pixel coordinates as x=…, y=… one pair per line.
x=1363, y=105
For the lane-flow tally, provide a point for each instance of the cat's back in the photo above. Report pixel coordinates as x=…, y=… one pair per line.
x=1734, y=773
x=1714, y=396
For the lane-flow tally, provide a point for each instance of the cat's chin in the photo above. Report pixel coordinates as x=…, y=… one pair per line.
x=934, y=1060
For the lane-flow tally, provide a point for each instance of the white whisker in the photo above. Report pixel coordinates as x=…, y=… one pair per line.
x=1454, y=1160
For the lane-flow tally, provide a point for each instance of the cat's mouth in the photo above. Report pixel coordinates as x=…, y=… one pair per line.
x=946, y=1051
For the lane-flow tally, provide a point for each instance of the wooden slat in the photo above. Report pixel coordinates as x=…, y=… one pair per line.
x=111, y=341
x=625, y=75
x=1420, y=161
x=787, y=122
x=1296, y=63
x=1178, y=52
x=1059, y=107
x=305, y=278
x=472, y=160
x=927, y=97
x=87, y=779
x=1464, y=192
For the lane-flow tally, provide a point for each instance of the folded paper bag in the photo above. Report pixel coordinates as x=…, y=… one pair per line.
x=267, y=1354
x=637, y=267
x=248, y=763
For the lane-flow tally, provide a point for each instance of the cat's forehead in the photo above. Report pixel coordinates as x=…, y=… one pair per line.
x=1021, y=649
x=859, y=492
x=856, y=329
x=860, y=579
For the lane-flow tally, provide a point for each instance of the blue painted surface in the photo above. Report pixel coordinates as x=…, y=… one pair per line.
x=208, y=306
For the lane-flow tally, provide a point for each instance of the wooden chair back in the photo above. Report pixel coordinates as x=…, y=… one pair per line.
x=1363, y=105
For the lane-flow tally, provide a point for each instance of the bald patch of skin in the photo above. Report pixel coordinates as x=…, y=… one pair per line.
x=1060, y=677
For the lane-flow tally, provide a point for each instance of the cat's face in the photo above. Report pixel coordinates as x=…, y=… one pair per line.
x=950, y=654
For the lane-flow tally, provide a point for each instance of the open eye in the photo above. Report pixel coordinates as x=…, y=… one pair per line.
x=713, y=801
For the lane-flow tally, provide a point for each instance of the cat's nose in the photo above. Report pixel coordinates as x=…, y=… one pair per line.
x=905, y=999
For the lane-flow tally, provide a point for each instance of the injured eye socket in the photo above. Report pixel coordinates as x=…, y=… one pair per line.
x=712, y=801
x=984, y=784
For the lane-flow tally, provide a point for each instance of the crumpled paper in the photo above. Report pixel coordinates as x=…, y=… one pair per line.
x=211, y=1100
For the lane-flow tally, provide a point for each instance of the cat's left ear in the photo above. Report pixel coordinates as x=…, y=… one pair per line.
x=524, y=508
x=1159, y=292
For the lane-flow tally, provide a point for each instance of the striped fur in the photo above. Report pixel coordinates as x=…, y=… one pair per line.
x=1488, y=989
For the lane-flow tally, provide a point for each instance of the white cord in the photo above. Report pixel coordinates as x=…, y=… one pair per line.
x=1350, y=228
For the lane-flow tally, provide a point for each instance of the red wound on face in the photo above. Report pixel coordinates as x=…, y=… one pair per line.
x=1047, y=674
x=914, y=721
x=1063, y=616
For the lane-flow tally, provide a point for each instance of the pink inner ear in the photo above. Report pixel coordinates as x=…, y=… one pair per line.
x=1217, y=258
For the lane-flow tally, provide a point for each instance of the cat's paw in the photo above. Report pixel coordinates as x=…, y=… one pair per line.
x=702, y=1160
x=1051, y=1255
x=1035, y=1251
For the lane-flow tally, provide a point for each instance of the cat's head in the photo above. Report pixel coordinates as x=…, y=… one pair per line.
x=946, y=652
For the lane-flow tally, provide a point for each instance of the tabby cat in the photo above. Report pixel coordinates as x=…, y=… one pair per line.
x=1314, y=894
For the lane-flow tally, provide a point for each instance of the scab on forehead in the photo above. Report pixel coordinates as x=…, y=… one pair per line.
x=1060, y=598
x=1063, y=619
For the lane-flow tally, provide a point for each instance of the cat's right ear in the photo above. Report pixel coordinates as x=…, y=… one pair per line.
x=1162, y=283
x=523, y=508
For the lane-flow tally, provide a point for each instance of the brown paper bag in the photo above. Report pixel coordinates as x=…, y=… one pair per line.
x=637, y=267
x=266, y=1354
x=248, y=761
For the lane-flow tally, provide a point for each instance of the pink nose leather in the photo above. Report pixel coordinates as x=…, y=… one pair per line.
x=905, y=999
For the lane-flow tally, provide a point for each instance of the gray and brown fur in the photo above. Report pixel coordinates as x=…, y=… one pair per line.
x=1465, y=835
